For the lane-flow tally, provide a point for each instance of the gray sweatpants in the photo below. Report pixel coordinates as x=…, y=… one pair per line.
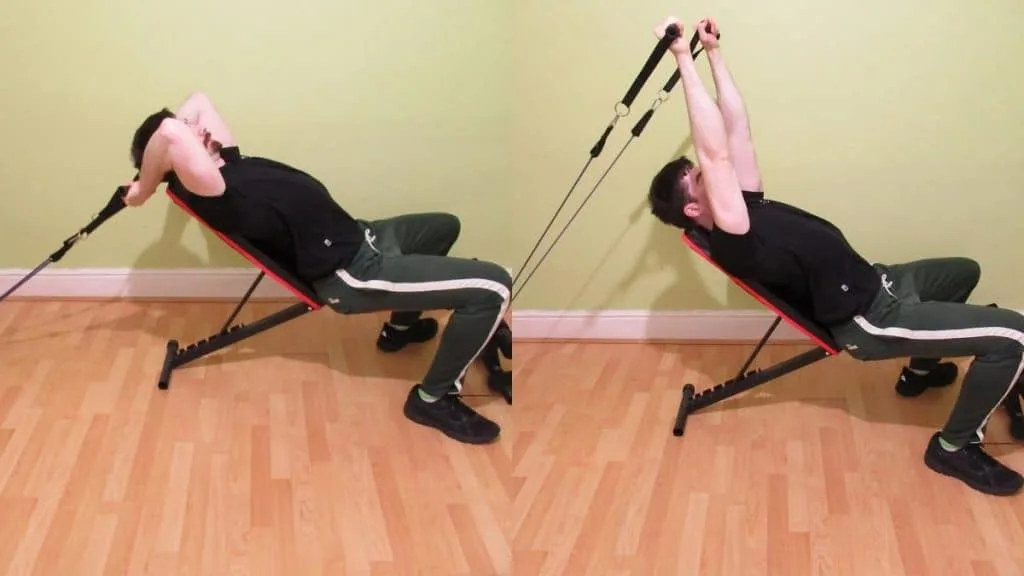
x=921, y=312
x=403, y=266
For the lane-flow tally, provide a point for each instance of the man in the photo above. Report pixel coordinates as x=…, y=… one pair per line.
x=399, y=264
x=876, y=312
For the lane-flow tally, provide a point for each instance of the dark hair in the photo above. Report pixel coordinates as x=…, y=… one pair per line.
x=145, y=132
x=668, y=194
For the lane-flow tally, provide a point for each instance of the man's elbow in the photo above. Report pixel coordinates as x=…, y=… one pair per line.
x=171, y=131
x=733, y=221
x=198, y=98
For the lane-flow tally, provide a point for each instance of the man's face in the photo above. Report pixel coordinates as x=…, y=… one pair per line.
x=696, y=196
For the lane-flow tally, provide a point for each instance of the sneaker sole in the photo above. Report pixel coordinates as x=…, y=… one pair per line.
x=398, y=347
x=911, y=393
x=453, y=435
x=391, y=350
x=915, y=392
x=939, y=468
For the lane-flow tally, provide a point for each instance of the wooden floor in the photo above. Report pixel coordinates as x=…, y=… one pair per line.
x=289, y=455
x=817, y=473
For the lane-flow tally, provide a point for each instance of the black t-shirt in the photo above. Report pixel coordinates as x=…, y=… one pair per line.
x=802, y=258
x=282, y=211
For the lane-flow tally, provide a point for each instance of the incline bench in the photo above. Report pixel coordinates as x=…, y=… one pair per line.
x=499, y=379
x=825, y=346
x=230, y=334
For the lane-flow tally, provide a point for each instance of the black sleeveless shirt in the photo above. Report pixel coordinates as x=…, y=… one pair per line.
x=805, y=259
x=282, y=211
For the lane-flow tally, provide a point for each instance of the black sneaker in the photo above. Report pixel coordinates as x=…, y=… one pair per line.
x=503, y=339
x=974, y=467
x=1015, y=414
x=393, y=340
x=452, y=417
x=912, y=384
x=501, y=382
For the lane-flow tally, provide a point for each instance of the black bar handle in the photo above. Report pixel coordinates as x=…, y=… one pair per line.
x=641, y=124
x=671, y=33
x=694, y=51
x=695, y=39
x=622, y=108
x=672, y=81
x=114, y=205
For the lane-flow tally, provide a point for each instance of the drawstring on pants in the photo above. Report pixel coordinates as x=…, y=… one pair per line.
x=371, y=239
x=887, y=285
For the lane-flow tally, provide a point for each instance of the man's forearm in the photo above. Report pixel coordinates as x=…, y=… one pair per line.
x=706, y=124
x=730, y=102
x=155, y=163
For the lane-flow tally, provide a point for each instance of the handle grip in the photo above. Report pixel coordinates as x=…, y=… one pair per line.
x=114, y=205
x=671, y=33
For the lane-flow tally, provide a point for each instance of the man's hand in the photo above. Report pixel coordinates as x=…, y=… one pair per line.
x=134, y=196
x=679, y=45
x=707, y=31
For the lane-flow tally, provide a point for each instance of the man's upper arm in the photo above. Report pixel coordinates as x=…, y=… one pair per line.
x=725, y=195
x=744, y=158
x=190, y=162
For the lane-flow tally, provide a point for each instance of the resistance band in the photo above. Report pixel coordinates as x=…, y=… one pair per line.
x=114, y=205
x=622, y=110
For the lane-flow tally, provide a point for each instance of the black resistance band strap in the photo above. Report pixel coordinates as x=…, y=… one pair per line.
x=113, y=206
x=637, y=130
x=621, y=110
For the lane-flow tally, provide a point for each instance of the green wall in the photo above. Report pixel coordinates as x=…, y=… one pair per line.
x=901, y=122
x=396, y=106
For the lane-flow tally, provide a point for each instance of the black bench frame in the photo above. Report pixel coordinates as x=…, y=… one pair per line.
x=693, y=401
x=230, y=334
x=499, y=379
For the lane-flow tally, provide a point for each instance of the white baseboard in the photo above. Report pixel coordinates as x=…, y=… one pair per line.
x=644, y=325
x=185, y=283
x=231, y=284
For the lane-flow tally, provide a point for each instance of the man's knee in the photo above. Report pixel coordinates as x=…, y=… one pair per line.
x=503, y=277
x=449, y=226
x=969, y=271
x=498, y=282
x=1009, y=335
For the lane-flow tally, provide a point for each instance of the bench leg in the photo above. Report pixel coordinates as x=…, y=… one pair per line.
x=693, y=401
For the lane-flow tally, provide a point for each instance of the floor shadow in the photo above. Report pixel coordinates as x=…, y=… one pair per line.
x=338, y=344
x=826, y=384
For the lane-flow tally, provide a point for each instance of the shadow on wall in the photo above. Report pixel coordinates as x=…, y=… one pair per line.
x=170, y=252
x=665, y=250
